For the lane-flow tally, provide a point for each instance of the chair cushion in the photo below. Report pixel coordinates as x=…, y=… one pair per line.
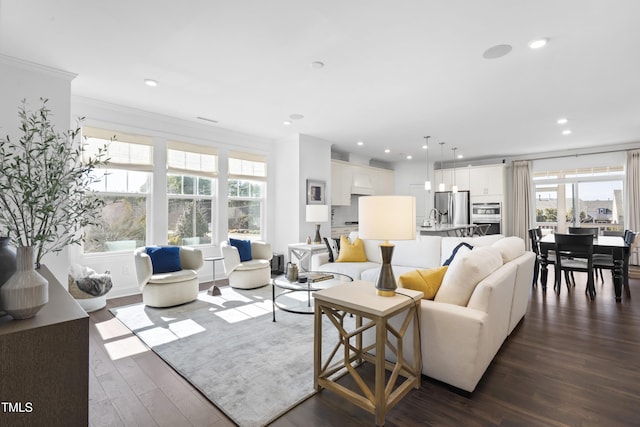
x=173, y=277
x=164, y=259
x=465, y=272
x=351, y=252
x=244, y=248
x=253, y=264
x=426, y=281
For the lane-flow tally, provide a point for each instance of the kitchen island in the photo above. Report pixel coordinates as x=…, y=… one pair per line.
x=460, y=230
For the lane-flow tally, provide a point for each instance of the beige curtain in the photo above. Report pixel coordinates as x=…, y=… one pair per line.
x=521, y=200
x=632, y=193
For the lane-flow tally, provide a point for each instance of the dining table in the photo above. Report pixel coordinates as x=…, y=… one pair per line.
x=610, y=245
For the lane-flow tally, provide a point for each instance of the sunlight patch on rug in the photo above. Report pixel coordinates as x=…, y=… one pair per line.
x=227, y=346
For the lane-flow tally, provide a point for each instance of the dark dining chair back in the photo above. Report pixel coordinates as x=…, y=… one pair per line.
x=584, y=230
x=574, y=252
x=629, y=237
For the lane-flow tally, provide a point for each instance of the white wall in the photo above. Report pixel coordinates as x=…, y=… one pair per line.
x=163, y=129
x=409, y=180
x=24, y=80
x=286, y=194
x=315, y=164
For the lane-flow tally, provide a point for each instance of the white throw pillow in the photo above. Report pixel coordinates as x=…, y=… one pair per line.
x=465, y=272
x=510, y=248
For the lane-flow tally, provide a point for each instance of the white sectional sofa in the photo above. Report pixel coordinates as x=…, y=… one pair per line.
x=458, y=341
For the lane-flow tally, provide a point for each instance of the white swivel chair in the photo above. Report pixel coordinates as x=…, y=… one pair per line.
x=169, y=289
x=250, y=274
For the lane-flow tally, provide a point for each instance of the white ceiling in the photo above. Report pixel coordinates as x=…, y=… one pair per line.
x=395, y=71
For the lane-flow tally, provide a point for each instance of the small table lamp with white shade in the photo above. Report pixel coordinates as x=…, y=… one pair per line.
x=387, y=218
x=317, y=214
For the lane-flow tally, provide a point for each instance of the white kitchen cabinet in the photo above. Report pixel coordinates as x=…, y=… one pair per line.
x=340, y=184
x=488, y=180
x=446, y=176
x=348, y=179
x=383, y=183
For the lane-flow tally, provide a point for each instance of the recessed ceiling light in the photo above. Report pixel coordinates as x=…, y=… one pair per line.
x=286, y=123
x=150, y=82
x=538, y=43
x=566, y=132
x=317, y=64
x=497, y=51
x=386, y=150
x=296, y=116
x=425, y=146
x=206, y=119
x=409, y=157
x=562, y=121
x=360, y=143
x=460, y=156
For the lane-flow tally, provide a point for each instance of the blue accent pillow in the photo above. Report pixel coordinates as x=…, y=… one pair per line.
x=455, y=251
x=244, y=248
x=164, y=259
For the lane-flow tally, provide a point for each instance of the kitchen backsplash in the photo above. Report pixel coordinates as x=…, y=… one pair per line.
x=343, y=214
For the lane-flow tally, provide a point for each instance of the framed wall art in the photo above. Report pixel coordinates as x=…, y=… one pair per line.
x=315, y=192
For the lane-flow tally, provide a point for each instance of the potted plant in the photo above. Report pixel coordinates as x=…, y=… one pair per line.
x=45, y=201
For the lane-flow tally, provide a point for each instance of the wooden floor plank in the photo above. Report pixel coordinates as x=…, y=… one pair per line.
x=570, y=362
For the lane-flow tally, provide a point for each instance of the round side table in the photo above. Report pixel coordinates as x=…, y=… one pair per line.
x=214, y=290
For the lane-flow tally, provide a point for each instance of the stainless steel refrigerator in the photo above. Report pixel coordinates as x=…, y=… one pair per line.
x=453, y=208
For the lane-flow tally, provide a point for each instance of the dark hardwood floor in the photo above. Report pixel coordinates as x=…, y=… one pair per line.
x=570, y=362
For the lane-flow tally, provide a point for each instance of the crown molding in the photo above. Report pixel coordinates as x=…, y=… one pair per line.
x=38, y=68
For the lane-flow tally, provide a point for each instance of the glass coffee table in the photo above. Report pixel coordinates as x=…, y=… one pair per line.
x=295, y=297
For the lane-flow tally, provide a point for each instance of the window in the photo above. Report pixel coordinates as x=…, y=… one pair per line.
x=192, y=170
x=247, y=191
x=124, y=188
x=571, y=198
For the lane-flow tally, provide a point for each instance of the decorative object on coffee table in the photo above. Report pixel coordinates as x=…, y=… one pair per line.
x=387, y=218
x=45, y=198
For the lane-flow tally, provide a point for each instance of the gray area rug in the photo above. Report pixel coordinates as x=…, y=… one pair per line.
x=227, y=346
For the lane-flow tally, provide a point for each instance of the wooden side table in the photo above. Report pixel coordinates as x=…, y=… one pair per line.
x=360, y=298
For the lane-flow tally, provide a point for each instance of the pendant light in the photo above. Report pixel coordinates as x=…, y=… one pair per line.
x=454, y=187
x=427, y=182
x=441, y=186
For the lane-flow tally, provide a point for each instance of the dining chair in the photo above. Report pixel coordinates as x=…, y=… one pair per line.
x=481, y=229
x=574, y=252
x=594, y=231
x=605, y=261
x=587, y=230
x=535, y=234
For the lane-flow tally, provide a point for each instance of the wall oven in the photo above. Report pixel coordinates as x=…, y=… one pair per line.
x=488, y=213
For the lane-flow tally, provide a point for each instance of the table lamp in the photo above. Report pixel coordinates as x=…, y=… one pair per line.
x=317, y=214
x=387, y=218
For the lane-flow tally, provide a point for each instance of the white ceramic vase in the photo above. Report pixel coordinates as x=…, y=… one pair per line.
x=26, y=291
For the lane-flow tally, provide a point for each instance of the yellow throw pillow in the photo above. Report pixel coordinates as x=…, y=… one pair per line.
x=426, y=281
x=351, y=252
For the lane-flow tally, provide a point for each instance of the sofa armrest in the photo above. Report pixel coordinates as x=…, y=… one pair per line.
x=144, y=268
x=190, y=258
x=319, y=259
x=261, y=250
x=231, y=258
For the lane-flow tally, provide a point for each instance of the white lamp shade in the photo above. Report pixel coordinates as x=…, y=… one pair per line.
x=387, y=217
x=317, y=213
x=441, y=186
